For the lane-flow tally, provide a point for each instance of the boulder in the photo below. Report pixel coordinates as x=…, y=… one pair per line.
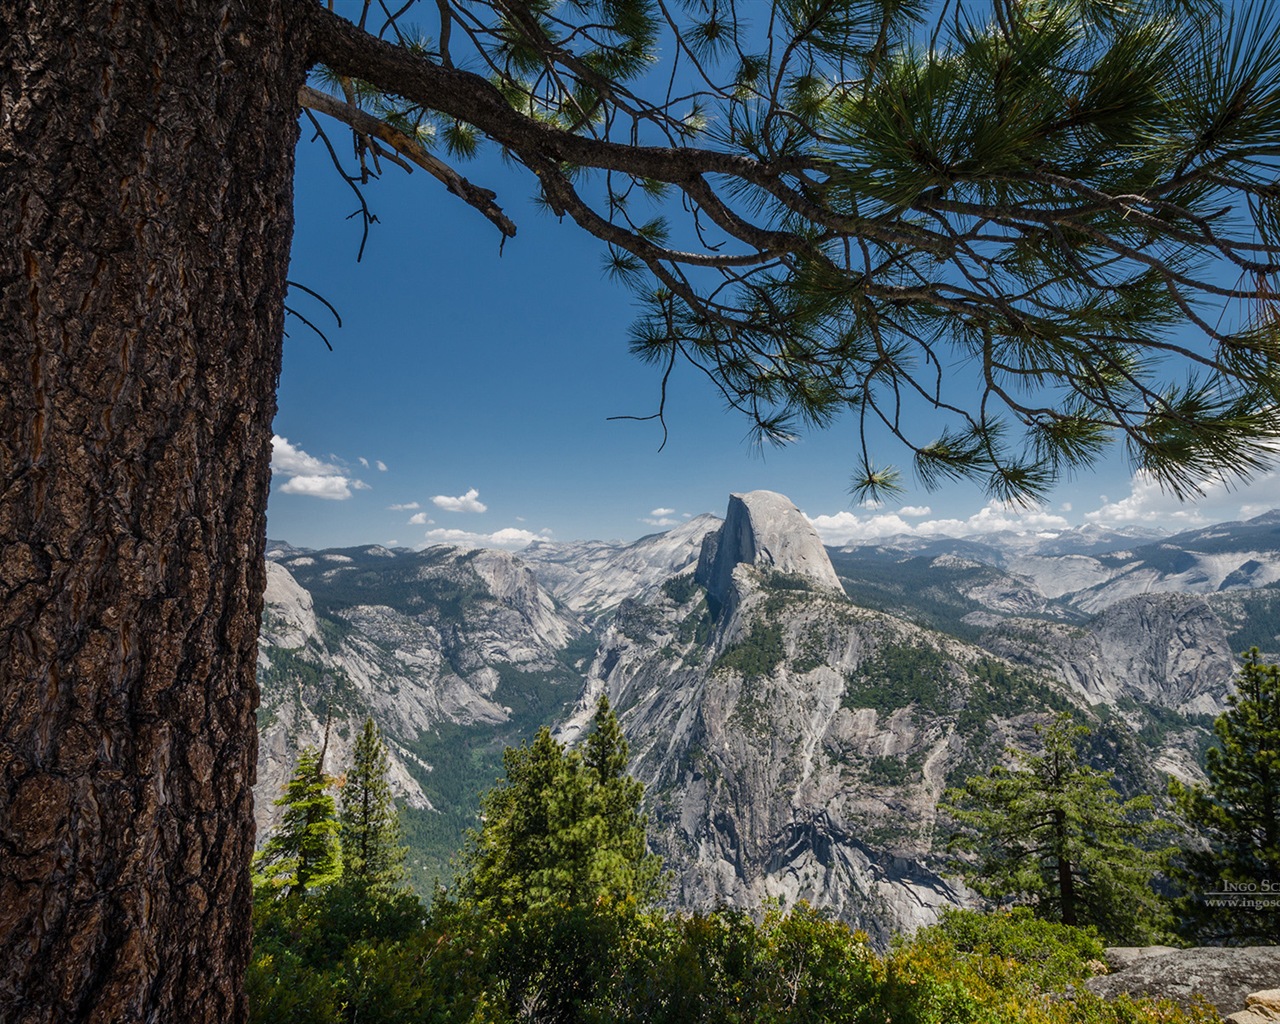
x=1224, y=976
x=1260, y=1008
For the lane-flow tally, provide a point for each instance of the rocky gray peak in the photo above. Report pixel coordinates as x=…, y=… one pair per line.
x=763, y=528
x=289, y=618
x=594, y=577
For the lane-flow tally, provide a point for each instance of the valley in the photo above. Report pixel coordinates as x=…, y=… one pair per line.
x=795, y=712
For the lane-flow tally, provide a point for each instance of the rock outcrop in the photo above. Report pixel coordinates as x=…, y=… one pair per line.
x=1163, y=650
x=1260, y=1008
x=1223, y=976
x=762, y=529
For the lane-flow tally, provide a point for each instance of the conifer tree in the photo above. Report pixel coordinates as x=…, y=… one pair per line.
x=1232, y=886
x=372, y=852
x=304, y=852
x=1069, y=206
x=565, y=828
x=559, y=869
x=1053, y=833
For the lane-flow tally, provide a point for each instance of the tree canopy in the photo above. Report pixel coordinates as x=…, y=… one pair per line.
x=1053, y=834
x=305, y=852
x=1053, y=224
x=1230, y=867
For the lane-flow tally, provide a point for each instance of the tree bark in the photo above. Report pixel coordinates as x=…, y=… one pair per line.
x=1066, y=874
x=146, y=162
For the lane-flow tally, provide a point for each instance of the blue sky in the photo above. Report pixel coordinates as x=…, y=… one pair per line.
x=468, y=394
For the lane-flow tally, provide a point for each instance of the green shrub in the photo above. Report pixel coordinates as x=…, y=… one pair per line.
x=681, y=589
x=899, y=676
x=758, y=655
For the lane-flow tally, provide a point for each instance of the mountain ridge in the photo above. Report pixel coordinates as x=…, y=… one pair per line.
x=794, y=710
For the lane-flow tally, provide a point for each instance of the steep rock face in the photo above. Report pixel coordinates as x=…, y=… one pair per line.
x=289, y=618
x=793, y=745
x=522, y=624
x=1166, y=650
x=762, y=528
x=415, y=640
x=798, y=747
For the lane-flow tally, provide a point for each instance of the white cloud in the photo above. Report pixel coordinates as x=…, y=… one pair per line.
x=360, y=485
x=1147, y=504
x=508, y=537
x=408, y=506
x=293, y=461
x=364, y=462
x=915, y=511
x=420, y=519
x=660, y=513
x=850, y=528
x=468, y=502
x=308, y=475
x=391, y=543
x=382, y=466
x=334, y=488
x=662, y=521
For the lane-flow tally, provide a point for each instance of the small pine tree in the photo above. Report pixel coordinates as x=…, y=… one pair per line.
x=370, y=827
x=606, y=748
x=1231, y=880
x=558, y=870
x=304, y=852
x=1053, y=834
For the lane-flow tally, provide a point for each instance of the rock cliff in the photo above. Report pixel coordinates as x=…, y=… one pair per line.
x=765, y=530
x=793, y=745
x=417, y=640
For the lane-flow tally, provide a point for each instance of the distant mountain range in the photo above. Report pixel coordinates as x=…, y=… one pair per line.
x=795, y=711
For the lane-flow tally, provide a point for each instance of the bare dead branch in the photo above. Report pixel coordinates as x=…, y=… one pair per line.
x=411, y=149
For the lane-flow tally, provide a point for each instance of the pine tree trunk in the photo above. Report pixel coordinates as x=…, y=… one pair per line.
x=146, y=160
x=1066, y=877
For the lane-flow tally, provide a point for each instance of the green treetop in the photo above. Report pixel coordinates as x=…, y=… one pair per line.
x=370, y=827
x=1052, y=833
x=304, y=852
x=1238, y=813
x=555, y=877
x=563, y=829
